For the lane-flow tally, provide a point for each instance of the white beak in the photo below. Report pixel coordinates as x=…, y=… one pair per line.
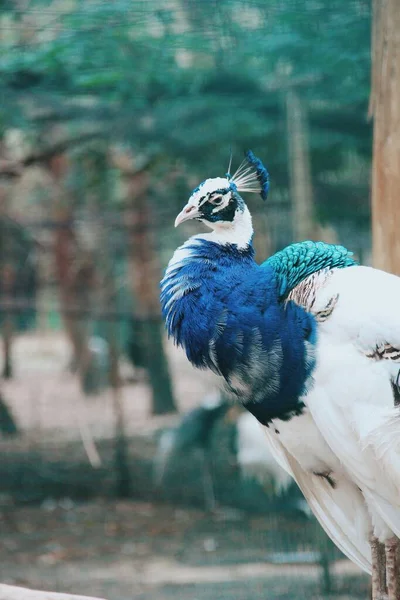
x=189, y=212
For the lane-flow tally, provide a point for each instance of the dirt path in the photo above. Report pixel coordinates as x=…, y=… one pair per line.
x=137, y=550
x=146, y=552
x=46, y=399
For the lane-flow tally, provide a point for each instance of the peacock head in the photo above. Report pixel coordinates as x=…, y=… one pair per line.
x=217, y=202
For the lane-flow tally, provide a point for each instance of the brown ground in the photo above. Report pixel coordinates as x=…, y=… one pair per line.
x=47, y=400
x=136, y=550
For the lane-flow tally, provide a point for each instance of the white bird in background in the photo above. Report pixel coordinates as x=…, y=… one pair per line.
x=256, y=461
x=196, y=431
x=254, y=457
x=310, y=344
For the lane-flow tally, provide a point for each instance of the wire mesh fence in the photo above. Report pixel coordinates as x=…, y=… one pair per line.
x=110, y=114
x=73, y=432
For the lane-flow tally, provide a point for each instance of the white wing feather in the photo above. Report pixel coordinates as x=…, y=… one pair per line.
x=254, y=456
x=368, y=309
x=352, y=400
x=339, y=511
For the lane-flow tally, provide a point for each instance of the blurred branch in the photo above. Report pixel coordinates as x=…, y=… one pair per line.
x=10, y=168
x=60, y=147
x=14, y=168
x=128, y=164
x=276, y=83
x=10, y=592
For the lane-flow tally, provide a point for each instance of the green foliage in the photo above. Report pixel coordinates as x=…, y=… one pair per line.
x=195, y=79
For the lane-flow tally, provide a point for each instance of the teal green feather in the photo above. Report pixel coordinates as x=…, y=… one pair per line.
x=296, y=262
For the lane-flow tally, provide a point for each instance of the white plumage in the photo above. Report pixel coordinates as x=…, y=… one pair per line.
x=255, y=458
x=340, y=440
x=351, y=430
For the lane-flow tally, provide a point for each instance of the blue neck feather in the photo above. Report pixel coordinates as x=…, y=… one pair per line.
x=226, y=312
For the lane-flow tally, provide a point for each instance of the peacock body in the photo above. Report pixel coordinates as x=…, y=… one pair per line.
x=309, y=342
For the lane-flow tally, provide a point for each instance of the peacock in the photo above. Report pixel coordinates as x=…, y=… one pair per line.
x=254, y=457
x=194, y=432
x=309, y=342
x=246, y=440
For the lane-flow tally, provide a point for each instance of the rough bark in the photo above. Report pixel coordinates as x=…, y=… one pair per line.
x=385, y=108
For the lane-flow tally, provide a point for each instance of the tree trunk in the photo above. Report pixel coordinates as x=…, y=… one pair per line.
x=145, y=278
x=299, y=168
x=73, y=297
x=385, y=108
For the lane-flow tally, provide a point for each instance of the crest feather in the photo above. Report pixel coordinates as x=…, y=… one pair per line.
x=252, y=176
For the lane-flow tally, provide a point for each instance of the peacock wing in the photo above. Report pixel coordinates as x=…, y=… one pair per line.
x=298, y=261
x=355, y=395
x=337, y=510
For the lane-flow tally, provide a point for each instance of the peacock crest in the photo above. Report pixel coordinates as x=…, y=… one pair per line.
x=251, y=176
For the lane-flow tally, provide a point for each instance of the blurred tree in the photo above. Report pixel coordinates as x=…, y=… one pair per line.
x=74, y=276
x=193, y=79
x=18, y=283
x=385, y=107
x=186, y=81
x=145, y=277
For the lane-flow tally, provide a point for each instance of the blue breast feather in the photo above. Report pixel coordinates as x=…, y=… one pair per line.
x=227, y=313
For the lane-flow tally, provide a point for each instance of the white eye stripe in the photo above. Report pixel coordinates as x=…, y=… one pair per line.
x=217, y=196
x=223, y=204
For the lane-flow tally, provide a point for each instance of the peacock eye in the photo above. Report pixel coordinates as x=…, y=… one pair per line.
x=216, y=200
